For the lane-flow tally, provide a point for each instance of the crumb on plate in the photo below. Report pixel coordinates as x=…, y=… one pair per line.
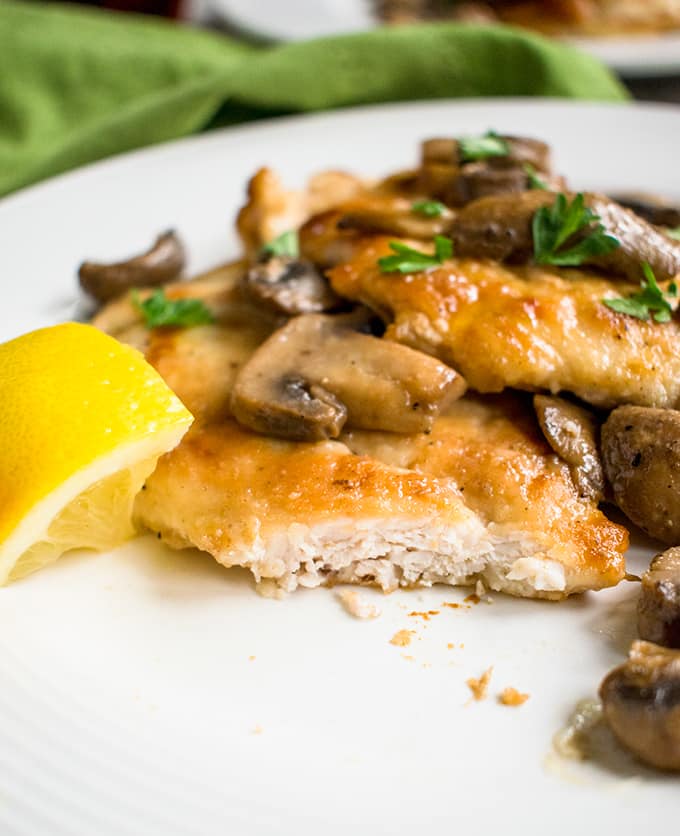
x=512, y=697
x=402, y=638
x=479, y=686
x=355, y=604
x=425, y=615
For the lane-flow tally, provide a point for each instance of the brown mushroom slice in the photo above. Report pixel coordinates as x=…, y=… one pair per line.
x=289, y=286
x=571, y=431
x=659, y=603
x=521, y=150
x=499, y=227
x=394, y=218
x=641, y=456
x=641, y=701
x=317, y=371
x=652, y=208
x=447, y=176
x=158, y=265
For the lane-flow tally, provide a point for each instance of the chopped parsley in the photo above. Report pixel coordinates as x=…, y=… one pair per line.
x=408, y=260
x=482, y=147
x=428, y=208
x=535, y=181
x=285, y=244
x=158, y=310
x=651, y=299
x=553, y=227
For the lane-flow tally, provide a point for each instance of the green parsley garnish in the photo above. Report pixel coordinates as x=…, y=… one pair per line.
x=408, y=260
x=481, y=147
x=428, y=208
x=673, y=232
x=285, y=244
x=158, y=310
x=553, y=227
x=650, y=300
x=535, y=181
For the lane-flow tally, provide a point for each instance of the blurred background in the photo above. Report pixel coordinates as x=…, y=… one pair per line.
x=638, y=39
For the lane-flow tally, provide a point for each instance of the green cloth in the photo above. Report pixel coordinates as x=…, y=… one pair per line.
x=77, y=85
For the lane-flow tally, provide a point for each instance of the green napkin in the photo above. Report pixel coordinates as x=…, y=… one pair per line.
x=77, y=85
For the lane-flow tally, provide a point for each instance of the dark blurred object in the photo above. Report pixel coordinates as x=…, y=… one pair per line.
x=162, y=8
x=657, y=89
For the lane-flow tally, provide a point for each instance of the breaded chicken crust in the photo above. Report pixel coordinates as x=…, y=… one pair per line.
x=525, y=327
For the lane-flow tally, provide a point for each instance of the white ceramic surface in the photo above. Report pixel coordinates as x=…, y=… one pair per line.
x=295, y=20
x=642, y=56
x=129, y=701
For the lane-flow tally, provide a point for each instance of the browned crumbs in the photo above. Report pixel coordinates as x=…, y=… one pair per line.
x=472, y=599
x=424, y=615
x=402, y=638
x=479, y=686
x=513, y=697
x=451, y=605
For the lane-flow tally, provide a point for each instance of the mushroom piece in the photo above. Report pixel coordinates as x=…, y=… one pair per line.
x=317, y=372
x=641, y=701
x=289, y=286
x=653, y=209
x=158, y=265
x=521, y=150
x=394, y=218
x=446, y=175
x=641, y=456
x=659, y=604
x=499, y=227
x=571, y=431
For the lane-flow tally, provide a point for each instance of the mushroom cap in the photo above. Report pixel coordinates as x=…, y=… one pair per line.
x=641, y=455
x=317, y=372
x=641, y=700
x=289, y=286
x=659, y=603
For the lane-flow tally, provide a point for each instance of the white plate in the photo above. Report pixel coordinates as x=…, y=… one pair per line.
x=294, y=20
x=129, y=702
x=640, y=56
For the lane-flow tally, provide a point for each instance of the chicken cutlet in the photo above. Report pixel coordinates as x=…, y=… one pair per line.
x=492, y=447
x=526, y=327
x=325, y=512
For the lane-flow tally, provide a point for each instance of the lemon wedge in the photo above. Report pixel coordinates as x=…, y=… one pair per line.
x=83, y=421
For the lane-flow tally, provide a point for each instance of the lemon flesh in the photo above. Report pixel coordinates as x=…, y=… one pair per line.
x=83, y=421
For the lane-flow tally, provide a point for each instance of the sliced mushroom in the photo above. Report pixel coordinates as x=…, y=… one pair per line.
x=394, y=218
x=289, y=286
x=499, y=227
x=447, y=176
x=653, y=209
x=522, y=150
x=160, y=264
x=659, y=604
x=317, y=372
x=641, y=456
x=571, y=431
x=641, y=701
